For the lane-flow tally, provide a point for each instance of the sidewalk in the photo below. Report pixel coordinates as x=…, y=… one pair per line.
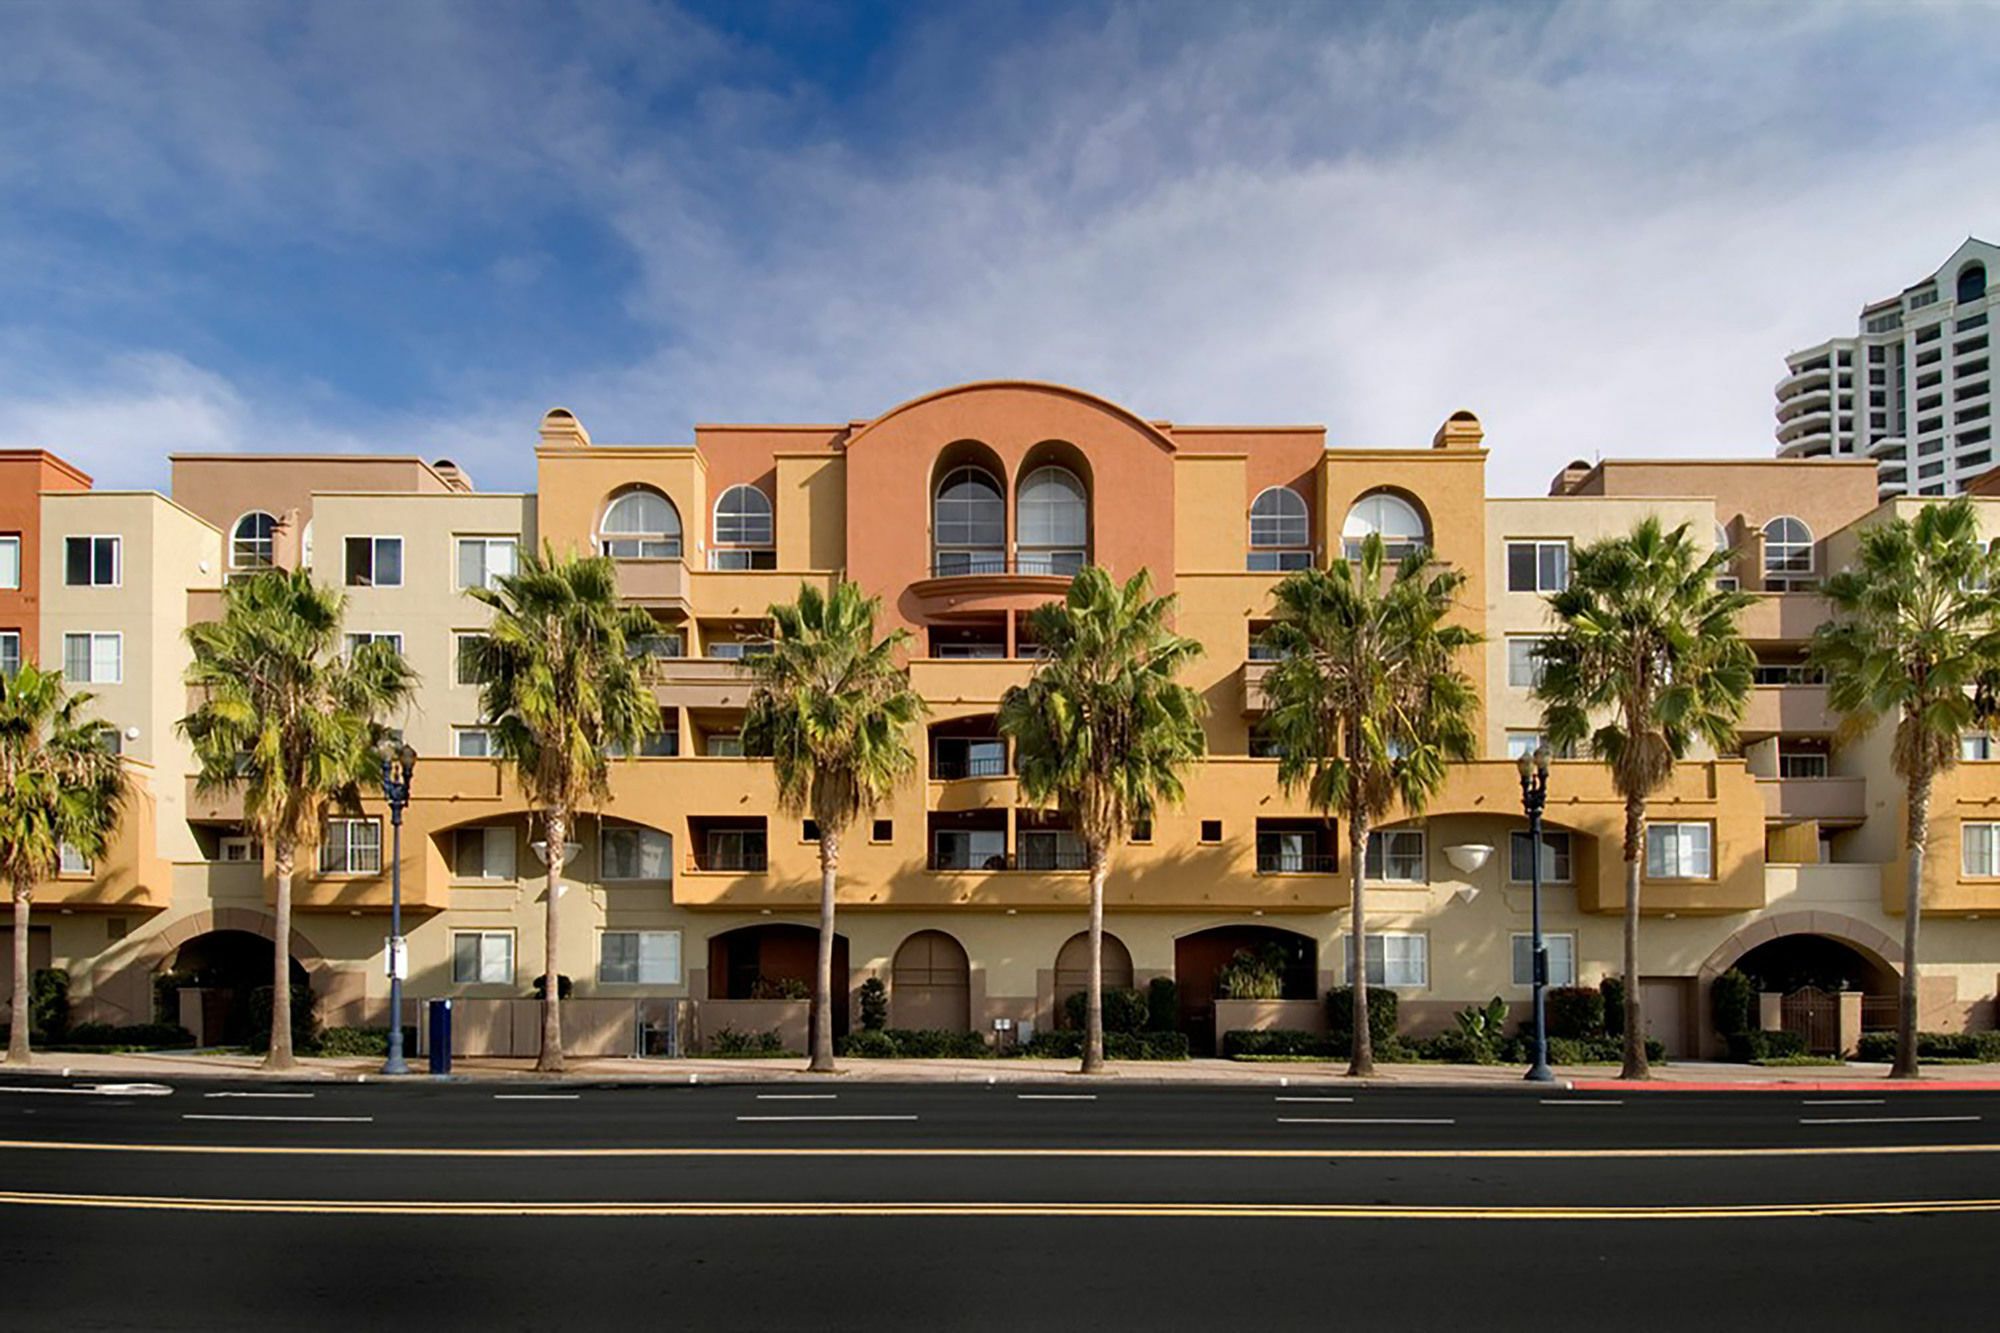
x=1686, y=1076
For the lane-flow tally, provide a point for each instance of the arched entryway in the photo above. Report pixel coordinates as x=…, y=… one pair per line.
x=775, y=961
x=930, y=984
x=1813, y=956
x=206, y=984
x=1199, y=959
x=1073, y=968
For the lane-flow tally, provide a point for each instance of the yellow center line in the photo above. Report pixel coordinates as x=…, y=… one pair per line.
x=1446, y=1212
x=1296, y=1154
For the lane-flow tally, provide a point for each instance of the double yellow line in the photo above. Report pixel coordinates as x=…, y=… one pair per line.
x=1233, y=1211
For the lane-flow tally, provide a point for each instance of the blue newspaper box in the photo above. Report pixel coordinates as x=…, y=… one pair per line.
x=440, y=1034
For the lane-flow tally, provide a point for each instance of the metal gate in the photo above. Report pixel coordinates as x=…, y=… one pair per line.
x=1815, y=1015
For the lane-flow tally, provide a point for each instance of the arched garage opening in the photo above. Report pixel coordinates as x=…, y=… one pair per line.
x=207, y=984
x=930, y=984
x=1073, y=969
x=1200, y=958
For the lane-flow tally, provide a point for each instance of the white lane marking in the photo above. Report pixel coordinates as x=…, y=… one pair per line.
x=1578, y=1101
x=273, y=1096
x=292, y=1119
x=101, y=1090
x=1312, y=1099
x=797, y=1096
x=1359, y=1120
x=1055, y=1096
x=536, y=1096
x=1886, y=1119
x=775, y=1118
x=1848, y=1101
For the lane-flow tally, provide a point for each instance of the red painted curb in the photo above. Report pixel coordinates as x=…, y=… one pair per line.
x=1773, y=1085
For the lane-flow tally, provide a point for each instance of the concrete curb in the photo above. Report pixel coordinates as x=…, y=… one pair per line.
x=1871, y=1084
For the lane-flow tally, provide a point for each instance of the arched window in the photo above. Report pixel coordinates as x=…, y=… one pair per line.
x=1280, y=533
x=969, y=523
x=1389, y=516
x=1787, y=548
x=1971, y=282
x=743, y=529
x=251, y=546
x=641, y=525
x=1054, y=522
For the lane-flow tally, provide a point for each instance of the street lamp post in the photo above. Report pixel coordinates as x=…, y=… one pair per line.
x=1534, y=795
x=399, y=764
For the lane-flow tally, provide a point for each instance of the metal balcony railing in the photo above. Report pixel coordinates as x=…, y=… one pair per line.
x=1295, y=863
x=1054, y=858
x=1056, y=564
x=946, y=768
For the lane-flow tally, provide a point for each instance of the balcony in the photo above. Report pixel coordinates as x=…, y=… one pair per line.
x=1831, y=802
x=969, y=679
x=1813, y=424
x=1297, y=863
x=1786, y=710
x=1783, y=617
x=661, y=583
x=698, y=682
x=1805, y=402
x=1804, y=381
x=979, y=582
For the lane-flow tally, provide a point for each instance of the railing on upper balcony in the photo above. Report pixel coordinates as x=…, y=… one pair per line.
x=1295, y=863
x=1032, y=858
x=749, y=861
x=945, y=768
x=1046, y=563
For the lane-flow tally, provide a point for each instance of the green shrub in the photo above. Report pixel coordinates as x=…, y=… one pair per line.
x=159, y=1036
x=1574, y=1011
x=1253, y=974
x=1747, y=1046
x=1460, y=1046
x=305, y=1022
x=1981, y=1046
x=1068, y=1045
x=1125, y=1010
x=48, y=1004
x=1613, y=990
x=913, y=1044
x=780, y=988
x=1879, y=1046
x=874, y=1005
x=1733, y=999
x=868, y=1044
x=731, y=1042
x=563, y=986
x=1163, y=1005
x=356, y=1041
x=1238, y=1042
x=1340, y=1017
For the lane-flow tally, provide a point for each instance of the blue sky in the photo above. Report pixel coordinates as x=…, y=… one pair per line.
x=414, y=226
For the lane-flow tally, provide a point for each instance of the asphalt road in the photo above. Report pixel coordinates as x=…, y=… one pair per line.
x=213, y=1205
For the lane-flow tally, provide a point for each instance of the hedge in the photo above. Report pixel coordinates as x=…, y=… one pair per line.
x=1575, y=1011
x=1125, y=1009
x=1982, y=1046
x=359, y=1041
x=146, y=1036
x=1340, y=1016
x=757, y=1044
x=1747, y=1046
x=1163, y=1004
x=913, y=1044
x=1117, y=1046
x=1581, y=1050
x=1240, y=1042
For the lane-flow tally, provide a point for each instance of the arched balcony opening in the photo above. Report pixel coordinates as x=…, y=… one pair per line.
x=640, y=523
x=968, y=512
x=1971, y=282
x=1052, y=511
x=1391, y=517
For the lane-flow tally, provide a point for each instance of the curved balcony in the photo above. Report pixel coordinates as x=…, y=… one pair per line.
x=1812, y=400
x=1818, y=424
x=981, y=582
x=1803, y=381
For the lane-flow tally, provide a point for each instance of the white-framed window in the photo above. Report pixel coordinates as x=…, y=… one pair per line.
x=374, y=562
x=70, y=861
x=1788, y=544
x=1524, y=669
x=239, y=848
x=10, y=653
x=94, y=659
x=743, y=519
x=1973, y=745
x=968, y=524
x=639, y=958
x=1802, y=764
x=93, y=562
x=252, y=542
x=484, y=561
x=652, y=745
x=1280, y=531
x=1398, y=959
x=725, y=744
x=1523, y=742
x=472, y=743
x=628, y=851
x=350, y=847
x=486, y=852
x=1388, y=516
x=1052, y=517
x=1537, y=566
x=465, y=646
x=1396, y=856
x=482, y=957
x=1680, y=851
x=1562, y=958
x=969, y=849
x=10, y=561
x=741, y=849
x=640, y=525
x=361, y=638
x=1979, y=849
x=1557, y=868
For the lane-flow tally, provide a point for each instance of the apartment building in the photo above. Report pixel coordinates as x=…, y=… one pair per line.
x=690, y=897
x=1911, y=388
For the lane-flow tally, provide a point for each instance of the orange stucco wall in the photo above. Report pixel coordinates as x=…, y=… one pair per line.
x=24, y=475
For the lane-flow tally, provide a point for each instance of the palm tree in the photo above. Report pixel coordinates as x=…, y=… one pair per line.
x=293, y=724
x=1647, y=643
x=60, y=784
x=832, y=710
x=1103, y=730
x=561, y=685
x=1369, y=706
x=1916, y=638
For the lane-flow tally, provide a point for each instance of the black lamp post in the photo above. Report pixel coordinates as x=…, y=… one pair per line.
x=1534, y=794
x=399, y=764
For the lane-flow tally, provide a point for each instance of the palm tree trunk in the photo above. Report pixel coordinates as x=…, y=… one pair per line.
x=1093, y=1005
x=1635, y=1023
x=280, y=1054
x=557, y=833
x=17, y=1037
x=1913, y=911
x=1362, y=1062
x=822, y=1005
